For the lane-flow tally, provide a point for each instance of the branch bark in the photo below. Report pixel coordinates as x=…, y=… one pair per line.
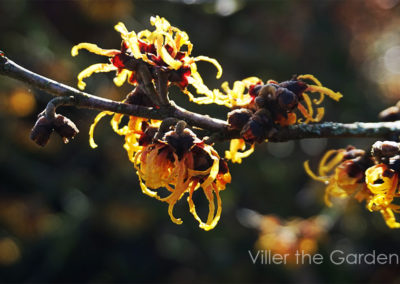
x=215, y=127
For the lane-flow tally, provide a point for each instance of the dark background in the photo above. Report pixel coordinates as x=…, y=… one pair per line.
x=69, y=213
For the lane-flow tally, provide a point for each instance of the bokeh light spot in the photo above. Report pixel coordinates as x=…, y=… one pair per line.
x=21, y=103
x=9, y=251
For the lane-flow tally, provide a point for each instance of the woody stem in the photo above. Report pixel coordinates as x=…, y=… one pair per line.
x=219, y=129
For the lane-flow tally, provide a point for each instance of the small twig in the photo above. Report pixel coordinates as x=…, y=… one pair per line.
x=53, y=104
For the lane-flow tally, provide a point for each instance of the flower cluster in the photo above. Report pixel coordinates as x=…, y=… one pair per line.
x=182, y=163
x=370, y=177
x=166, y=49
x=259, y=108
x=170, y=156
x=178, y=160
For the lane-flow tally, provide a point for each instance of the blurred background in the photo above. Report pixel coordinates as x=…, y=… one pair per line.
x=69, y=213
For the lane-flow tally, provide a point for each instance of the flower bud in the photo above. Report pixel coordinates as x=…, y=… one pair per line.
x=257, y=128
x=268, y=92
x=287, y=100
x=181, y=141
x=41, y=131
x=255, y=89
x=65, y=127
x=238, y=118
x=44, y=127
x=295, y=86
x=385, y=149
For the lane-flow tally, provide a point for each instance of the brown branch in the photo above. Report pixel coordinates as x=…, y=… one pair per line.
x=216, y=128
x=85, y=100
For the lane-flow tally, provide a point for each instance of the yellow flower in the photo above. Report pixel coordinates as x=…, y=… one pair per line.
x=166, y=48
x=237, y=151
x=346, y=178
x=383, y=184
x=181, y=163
x=355, y=175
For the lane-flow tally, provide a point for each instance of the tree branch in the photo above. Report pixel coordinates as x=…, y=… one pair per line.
x=85, y=100
x=335, y=129
x=215, y=127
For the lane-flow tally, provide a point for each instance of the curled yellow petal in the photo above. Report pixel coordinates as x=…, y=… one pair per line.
x=177, y=221
x=168, y=59
x=115, y=121
x=94, y=49
x=323, y=90
x=330, y=160
x=211, y=206
x=160, y=23
x=120, y=79
x=309, y=77
x=320, y=89
x=130, y=39
x=312, y=175
x=95, y=68
x=212, y=61
x=213, y=222
x=93, y=126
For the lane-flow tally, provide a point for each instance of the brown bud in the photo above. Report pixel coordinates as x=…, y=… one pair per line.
x=41, y=131
x=181, y=141
x=65, y=127
x=287, y=100
x=238, y=118
x=295, y=86
x=257, y=128
x=268, y=92
x=260, y=102
x=254, y=90
x=385, y=149
x=43, y=128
